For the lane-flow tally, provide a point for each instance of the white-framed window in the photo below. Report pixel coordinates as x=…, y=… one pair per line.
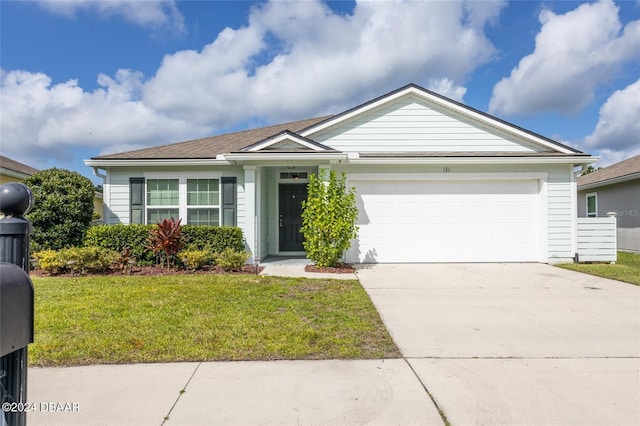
x=163, y=199
x=592, y=204
x=193, y=198
x=203, y=201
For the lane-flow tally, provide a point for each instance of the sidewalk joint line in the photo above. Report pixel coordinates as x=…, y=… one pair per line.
x=424, y=386
x=180, y=393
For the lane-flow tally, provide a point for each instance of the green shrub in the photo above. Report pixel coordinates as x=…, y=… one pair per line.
x=49, y=261
x=63, y=208
x=76, y=259
x=214, y=238
x=117, y=237
x=136, y=237
x=88, y=259
x=328, y=219
x=231, y=260
x=196, y=259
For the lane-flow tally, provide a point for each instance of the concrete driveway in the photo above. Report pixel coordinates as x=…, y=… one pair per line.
x=515, y=344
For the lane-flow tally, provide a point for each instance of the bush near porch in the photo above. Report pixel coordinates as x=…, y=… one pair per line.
x=329, y=217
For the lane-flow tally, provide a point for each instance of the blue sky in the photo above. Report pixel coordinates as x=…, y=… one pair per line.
x=82, y=78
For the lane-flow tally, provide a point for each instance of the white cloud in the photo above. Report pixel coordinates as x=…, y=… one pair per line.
x=446, y=87
x=292, y=60
x=50, y=120
x=574, y=54
x=324, y=61
x=617, y=134
x=154, y=14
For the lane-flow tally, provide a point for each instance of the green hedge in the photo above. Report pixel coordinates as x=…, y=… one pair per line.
x=214, y=238
x=116, y=237
x=136, y=237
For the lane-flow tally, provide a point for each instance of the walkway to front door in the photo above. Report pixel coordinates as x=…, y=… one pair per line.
x=291, y=197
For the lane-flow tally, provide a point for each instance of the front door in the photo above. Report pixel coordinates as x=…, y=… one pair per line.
x=291, y=197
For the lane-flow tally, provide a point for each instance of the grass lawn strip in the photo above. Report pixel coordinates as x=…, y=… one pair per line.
x=626, y=268
x=118, y=319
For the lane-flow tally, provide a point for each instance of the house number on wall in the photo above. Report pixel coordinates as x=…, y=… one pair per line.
x=446, y=169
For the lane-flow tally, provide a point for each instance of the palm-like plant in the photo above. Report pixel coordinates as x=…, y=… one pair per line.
x=166, y=238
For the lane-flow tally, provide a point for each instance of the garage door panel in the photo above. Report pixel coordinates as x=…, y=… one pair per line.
x=446, y=221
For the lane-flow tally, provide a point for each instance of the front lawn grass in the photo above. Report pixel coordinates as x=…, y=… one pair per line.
x=122, y=319
x=626, y=268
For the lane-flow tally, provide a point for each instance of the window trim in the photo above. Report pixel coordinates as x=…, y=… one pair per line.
x=595, y=212
x=137, y=207
x=182, y=192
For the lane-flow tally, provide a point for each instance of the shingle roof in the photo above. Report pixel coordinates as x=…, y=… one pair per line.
x=16, y=166
x=464, y=154
x=211, y=146
x=627, y=167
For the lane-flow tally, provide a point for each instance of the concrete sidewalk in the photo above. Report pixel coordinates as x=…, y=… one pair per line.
x=375, y=392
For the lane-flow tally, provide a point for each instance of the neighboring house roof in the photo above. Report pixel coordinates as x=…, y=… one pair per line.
x=620, y=172
x=298, y=138
x=15, y=168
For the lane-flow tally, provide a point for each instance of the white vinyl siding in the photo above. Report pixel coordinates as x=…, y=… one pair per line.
x=409, y=125
x=560, y=214
x=117, y=197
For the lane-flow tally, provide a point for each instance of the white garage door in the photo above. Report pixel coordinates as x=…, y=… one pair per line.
x=447, y=221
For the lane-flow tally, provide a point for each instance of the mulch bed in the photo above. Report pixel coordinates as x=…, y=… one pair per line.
x=155, y=270
x=341, y=269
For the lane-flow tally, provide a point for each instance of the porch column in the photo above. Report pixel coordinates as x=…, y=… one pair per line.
x=249, y=225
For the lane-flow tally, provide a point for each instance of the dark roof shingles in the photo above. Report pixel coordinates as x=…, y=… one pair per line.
x=627, y=167
x=211, y=146
x=16, y=166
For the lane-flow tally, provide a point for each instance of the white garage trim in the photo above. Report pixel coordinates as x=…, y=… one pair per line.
x=531, y=196
x=448, y=176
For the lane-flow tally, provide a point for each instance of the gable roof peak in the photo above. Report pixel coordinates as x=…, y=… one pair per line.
x=443, y=102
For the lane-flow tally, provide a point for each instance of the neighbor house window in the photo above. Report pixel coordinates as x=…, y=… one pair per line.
x=592, y=204
x=163, y=199
x=203, y=201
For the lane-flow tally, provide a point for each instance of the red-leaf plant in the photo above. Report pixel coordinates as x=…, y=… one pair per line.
x=166, y=238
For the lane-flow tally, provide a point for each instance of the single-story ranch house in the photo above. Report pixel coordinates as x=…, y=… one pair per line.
x=436, y=181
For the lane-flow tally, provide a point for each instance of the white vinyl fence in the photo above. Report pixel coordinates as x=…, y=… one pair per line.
x=597, y=239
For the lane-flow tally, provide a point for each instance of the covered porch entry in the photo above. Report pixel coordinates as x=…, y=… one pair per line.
x=278, y=195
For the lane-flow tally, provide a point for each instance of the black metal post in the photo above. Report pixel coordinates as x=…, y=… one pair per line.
x=16, y=200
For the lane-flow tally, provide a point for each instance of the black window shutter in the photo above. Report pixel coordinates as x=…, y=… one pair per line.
x=229, y=201
x=136, y=200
